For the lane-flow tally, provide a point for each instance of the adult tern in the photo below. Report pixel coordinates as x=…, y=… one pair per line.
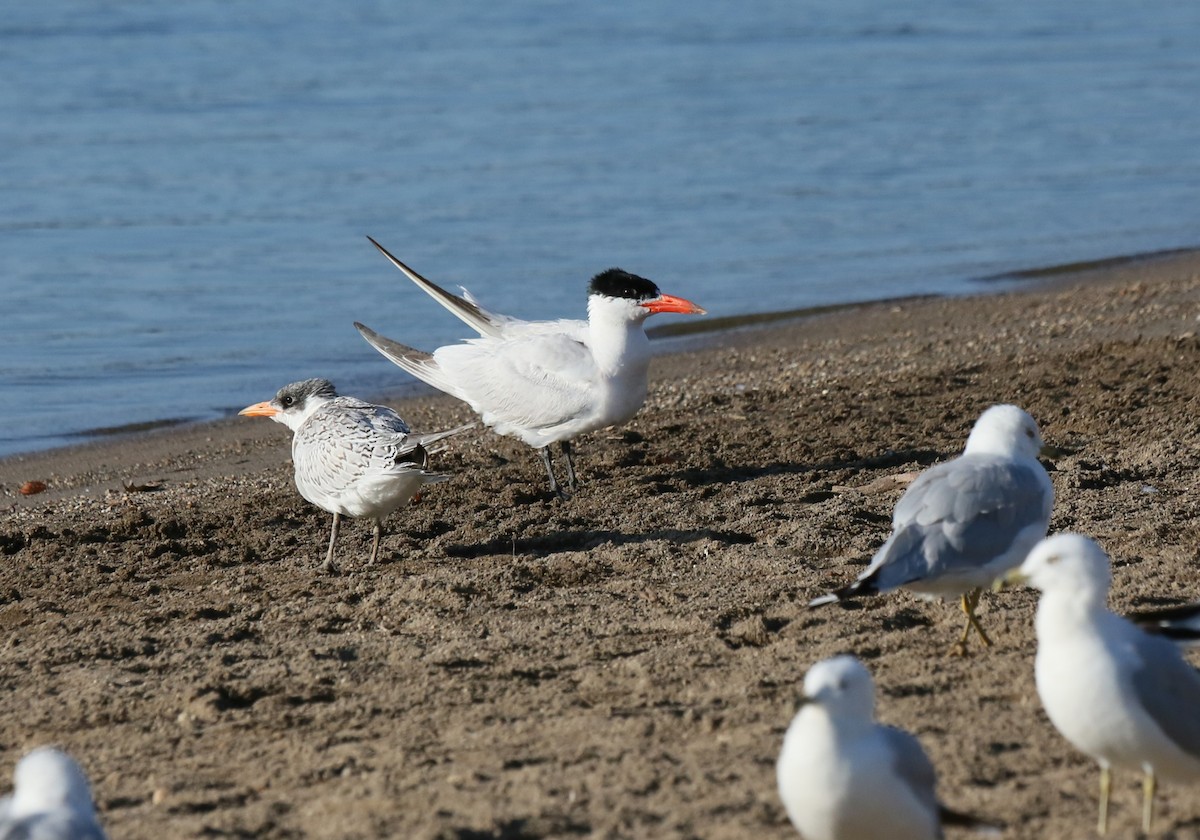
x=351, y=458
x=544, y=382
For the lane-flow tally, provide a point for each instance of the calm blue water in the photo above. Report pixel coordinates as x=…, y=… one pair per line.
x=185, y=187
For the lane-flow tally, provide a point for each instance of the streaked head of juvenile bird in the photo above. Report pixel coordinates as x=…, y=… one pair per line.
x=1068, y=564
x=1005, y=430
x=47, y=779
x=619, y=295
x=842, y=687
x=294, y=403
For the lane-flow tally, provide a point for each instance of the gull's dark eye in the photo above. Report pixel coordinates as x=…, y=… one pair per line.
x=1029, y=434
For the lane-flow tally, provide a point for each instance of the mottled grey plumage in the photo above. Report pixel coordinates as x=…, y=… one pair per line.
x=352, y=458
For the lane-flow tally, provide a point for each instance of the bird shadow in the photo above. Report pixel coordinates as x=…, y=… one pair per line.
x=582, y=540
x=722, y=473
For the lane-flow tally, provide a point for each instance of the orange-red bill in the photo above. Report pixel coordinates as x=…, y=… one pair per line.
x=670, y=303
x=262, y=409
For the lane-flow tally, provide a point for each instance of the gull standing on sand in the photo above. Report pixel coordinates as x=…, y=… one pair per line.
x=544, y=382
x=1179, y=624
x=51, y=800
x=1128, y=699
x=351, y=458
x=842, y=776
x=965, y=523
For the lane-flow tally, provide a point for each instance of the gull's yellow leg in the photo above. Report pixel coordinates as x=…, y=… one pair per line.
x=970, y=600
x=1105, y=787
x=1148, y=785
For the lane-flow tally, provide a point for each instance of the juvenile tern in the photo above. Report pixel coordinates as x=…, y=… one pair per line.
x=964, y=523
x=1126, y=698
x=842, y=776
x=351, y=458
x=544, y=382
x=51, y=800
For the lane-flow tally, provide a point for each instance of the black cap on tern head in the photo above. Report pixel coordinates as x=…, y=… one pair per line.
x=616, y=283
x=298, y=392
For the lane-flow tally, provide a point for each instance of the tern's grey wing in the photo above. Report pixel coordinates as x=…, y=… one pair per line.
x=912, y=765
x=532, y=380
x=1168, y=689
x=348, y=440
x=968, y=511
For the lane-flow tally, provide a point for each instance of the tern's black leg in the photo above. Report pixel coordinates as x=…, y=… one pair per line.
x=554, y=488
x=328, y=565
x=566, y=450
x=378, y=532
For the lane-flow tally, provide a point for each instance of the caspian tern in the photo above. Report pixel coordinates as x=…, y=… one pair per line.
x=51, y=800
x=351, y=458
x=842, y=776
x=965, y=523
x=1124, y=697
x=544, y=381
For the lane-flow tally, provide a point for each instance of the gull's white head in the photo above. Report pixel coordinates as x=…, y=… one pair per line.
x=620, y=296
x=842, y=686
x=1005, y=430
x=48, y=779
x=294, y=403
x=1070, y=564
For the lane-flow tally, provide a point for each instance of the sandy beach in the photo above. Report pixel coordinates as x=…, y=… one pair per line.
x=622, y=664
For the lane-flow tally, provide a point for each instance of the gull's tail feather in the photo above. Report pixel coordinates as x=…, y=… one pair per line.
x=417, y=362
x=1179, y=624
x=465, y=309
x=861, y=587
x=971, y=823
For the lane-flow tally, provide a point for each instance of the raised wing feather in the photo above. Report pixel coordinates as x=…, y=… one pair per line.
x=466, y=309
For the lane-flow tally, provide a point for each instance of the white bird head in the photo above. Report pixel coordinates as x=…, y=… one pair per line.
x=294, y=403
x=842, y=687
x=47, y=779
x=618, y=295
x=1005, y=430
x=1069, y=564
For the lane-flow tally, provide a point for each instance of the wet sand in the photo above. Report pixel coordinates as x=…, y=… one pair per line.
x=622, y=664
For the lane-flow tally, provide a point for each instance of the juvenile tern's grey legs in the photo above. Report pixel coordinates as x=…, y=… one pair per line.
x=328, y=565
x=567, y=453
x=378, y=532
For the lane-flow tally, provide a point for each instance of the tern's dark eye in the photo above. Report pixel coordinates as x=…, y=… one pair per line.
x=287, y=401
x=1029, y=434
